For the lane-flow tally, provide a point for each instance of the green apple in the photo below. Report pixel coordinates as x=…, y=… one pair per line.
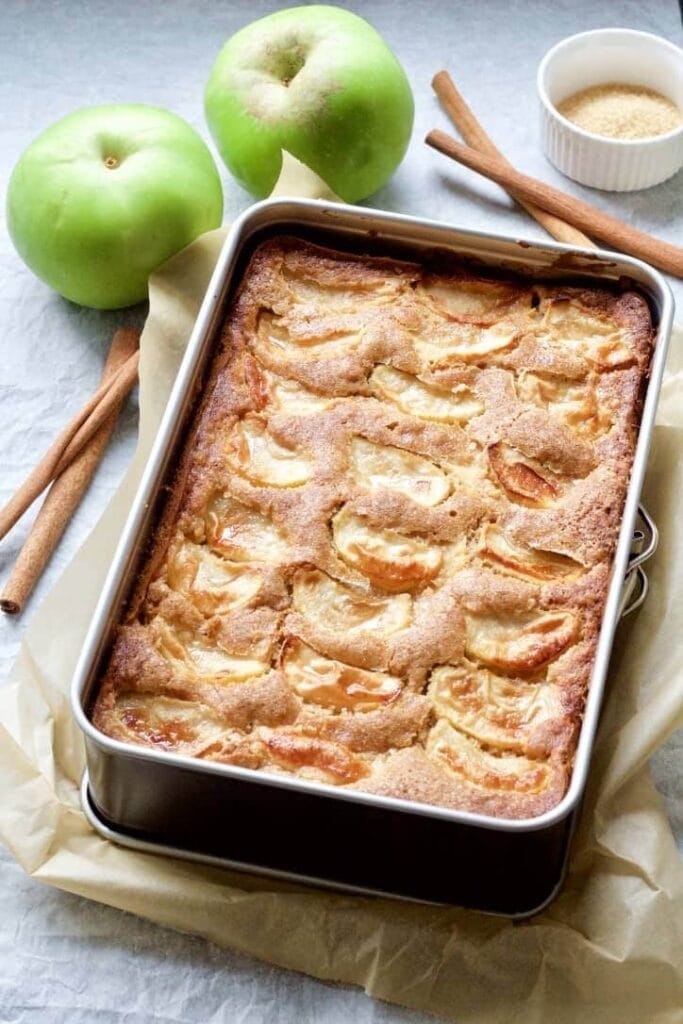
x=107, y=194
x=319, y=82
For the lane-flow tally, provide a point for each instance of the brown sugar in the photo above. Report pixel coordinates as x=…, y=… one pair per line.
x=620, y=111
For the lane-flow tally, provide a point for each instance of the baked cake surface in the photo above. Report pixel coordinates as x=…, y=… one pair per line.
x=385, y=557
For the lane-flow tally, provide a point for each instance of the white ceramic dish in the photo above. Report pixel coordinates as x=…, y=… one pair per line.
x=594, y=58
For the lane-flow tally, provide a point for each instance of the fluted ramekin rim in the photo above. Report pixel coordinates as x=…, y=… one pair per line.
x=645, y=141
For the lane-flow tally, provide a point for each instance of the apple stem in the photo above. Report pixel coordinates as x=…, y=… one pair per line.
x=111, y=162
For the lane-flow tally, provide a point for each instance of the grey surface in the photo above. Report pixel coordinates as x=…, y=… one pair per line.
x=62, y=958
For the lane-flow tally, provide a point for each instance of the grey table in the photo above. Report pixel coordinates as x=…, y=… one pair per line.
x=62, y=958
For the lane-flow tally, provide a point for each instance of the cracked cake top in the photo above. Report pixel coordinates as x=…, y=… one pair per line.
x=385, y=554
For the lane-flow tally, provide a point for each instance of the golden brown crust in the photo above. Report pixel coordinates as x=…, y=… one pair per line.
x=384, y=559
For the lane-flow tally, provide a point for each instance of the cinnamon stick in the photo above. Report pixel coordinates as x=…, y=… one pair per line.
x=475, y=136
x=594, y=222
x=120, y=385
x=66, y=492
x=71, y=441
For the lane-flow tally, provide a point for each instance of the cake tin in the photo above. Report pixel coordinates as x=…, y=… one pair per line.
x=286, y=827
x=595, y=58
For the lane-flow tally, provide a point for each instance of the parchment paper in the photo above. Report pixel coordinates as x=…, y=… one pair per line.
x=609, y=949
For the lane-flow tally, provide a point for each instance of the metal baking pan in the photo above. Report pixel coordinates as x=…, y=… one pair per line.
x=291, y=828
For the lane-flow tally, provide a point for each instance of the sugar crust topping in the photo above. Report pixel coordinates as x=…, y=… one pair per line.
x=384, y=559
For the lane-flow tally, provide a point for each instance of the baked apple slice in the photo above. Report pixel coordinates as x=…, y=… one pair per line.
x=392, y=560
x=502, y=772
x=521, y=643
x=468, y=300
x=196, y=655
x=576, y=405
x=523, y=479
x=498, y=711
x=345, y=609
x=466, y=343
x=525, y=562
x=313, y=758
x=343, y=296
x=241, y=533
x=333, y=684
x=212, y=583
x=598, y=340
x=276, y=338
x=164, y=722
x=254, y=453
x=280, y=394
x=289, y=396
x=417, y=398
x=378, y=466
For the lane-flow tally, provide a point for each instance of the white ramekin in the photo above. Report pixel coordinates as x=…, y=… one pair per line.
x=593, y=58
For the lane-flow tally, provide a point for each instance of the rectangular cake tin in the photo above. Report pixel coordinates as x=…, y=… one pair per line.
x=286, y=827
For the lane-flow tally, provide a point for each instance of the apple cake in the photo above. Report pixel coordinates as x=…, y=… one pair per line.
x=383, y=558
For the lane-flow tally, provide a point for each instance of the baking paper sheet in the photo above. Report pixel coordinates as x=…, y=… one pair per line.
x=609, y=950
